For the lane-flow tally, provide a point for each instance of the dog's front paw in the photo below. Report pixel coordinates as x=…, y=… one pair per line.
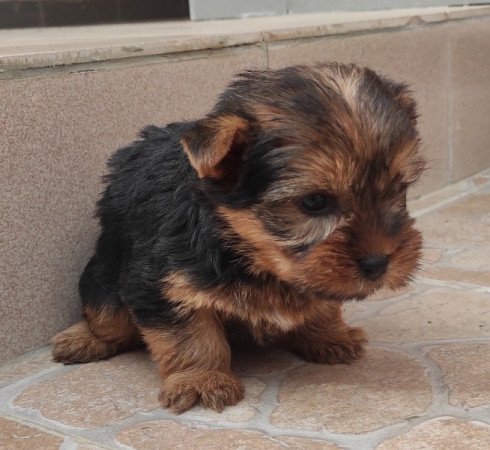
x=78, y=345
x=212, y=389
x=347, y=347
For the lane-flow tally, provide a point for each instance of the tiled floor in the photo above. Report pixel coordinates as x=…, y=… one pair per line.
x=424, y=383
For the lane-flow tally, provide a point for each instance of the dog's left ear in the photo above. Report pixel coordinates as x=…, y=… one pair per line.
x=405, y=98
x=215, y=146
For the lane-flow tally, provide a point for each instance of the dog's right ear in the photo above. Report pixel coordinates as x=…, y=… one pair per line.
x=215, y=146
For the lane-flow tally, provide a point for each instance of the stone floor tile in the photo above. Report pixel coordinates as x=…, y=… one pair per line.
x=96, y=394
x=383, y=388
x=354, y=308
x=480, y=180
x=474, y=205
x=466, y=369
x=475, y=258
x=385, y=293
x=462, y=224
x=17, y=436
x=452, y=231
x=431, y=255
x=458, y=275
x=150, y=435
x=306, y=444
x=241, y=412
x=438, y=313
x=434, y=198
x=446, y=433
x=22, y=368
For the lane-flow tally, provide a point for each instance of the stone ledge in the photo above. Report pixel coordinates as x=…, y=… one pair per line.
x=48, y=47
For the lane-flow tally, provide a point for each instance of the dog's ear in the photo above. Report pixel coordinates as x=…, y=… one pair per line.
x=404, y=96
x=215, y=146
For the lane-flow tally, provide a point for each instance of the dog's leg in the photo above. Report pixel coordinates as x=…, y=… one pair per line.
x=325, y=338
x=105, y=332
x=193, y=359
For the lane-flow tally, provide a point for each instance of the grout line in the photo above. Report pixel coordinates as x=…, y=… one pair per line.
x=267, y=58
x=449, y=109
x=455, y=284
x=40, y=11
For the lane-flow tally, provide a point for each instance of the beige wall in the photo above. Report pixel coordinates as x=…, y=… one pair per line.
x=58, y=131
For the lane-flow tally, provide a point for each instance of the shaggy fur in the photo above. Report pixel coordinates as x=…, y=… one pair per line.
x=262, y=217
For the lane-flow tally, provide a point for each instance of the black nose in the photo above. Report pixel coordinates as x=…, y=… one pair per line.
x=373, y=267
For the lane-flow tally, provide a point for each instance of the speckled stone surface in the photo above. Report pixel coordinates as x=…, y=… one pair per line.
x=466, y=371
x=389, y=387
x=96, y=394
x=422, y=384
x=445, y=433
x=149, y=435
x=470, y=50
x=35, y=362
x=17, y=436
x=438, y=313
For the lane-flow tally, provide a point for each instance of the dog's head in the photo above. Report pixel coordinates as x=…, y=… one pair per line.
x=310, y=168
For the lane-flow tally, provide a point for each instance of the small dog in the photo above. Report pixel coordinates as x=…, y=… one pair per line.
x=256, y=221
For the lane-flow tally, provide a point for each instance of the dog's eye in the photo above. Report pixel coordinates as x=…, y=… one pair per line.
x=318, y=204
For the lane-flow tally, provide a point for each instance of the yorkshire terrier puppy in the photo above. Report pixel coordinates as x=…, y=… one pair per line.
x=261, y=218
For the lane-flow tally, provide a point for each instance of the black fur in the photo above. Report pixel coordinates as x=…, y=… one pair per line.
x=155, y=219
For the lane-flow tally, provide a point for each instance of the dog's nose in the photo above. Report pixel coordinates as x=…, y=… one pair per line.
x=373, y=267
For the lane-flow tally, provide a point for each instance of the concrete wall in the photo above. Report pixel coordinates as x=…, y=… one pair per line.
x=58, y=127
x=222, y=9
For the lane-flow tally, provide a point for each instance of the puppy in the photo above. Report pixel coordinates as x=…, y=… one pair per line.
x=257, y=220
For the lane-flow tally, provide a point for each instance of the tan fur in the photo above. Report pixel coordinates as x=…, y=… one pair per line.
x=224, y=130
x=267, y=310
x=325, y=338
x=315, y=323
x=408, y=163
x=104, y=333
x=211, y=388
x=262, y=250
x=349, y=87
x=194, y=363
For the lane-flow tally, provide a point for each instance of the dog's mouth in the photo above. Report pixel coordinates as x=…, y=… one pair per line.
x=356, y=296
x=337, y=296
x=358, y=289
